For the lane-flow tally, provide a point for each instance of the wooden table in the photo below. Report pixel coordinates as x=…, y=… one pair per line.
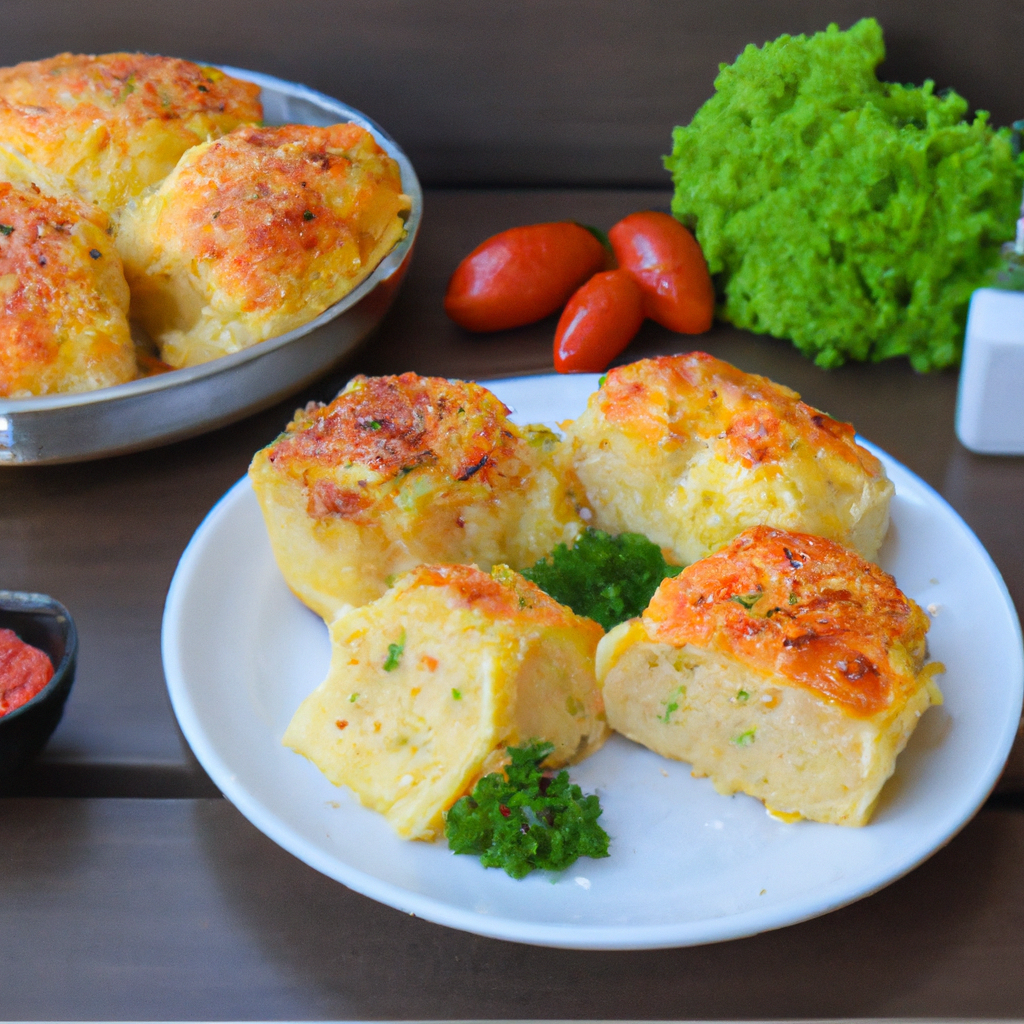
x=130, y=888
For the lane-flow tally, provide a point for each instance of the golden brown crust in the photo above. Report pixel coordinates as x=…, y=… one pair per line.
x=63, y=297
x=501, y=594
x=389, y=426
x=800, y=607
x=661, y=398
x=115, y=123
x=257, y=233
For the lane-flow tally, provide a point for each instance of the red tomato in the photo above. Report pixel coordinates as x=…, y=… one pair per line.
x=521, y=275
x=668, y=265
x=601, y=319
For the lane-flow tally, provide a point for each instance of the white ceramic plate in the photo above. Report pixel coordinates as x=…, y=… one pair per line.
x=687, y=865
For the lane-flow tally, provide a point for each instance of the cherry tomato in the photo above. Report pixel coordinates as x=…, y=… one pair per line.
x=668, y=265
x=600, y=320
x=521, y=275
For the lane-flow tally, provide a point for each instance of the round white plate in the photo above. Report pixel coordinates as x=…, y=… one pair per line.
x=687, y=865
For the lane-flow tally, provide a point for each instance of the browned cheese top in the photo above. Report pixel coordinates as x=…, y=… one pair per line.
x=117, y=122
x=261, y=206
x=60, y=279
x=389, y=426
x=800, y=607
x=131, y=87
x=500, y=594
x=677, y=397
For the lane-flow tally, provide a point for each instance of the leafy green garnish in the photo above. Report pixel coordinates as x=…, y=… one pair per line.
x=523, y=819
x=6, y=229
x=609, y=579
x=394, y=654
x=745, y=738
x=747, y=600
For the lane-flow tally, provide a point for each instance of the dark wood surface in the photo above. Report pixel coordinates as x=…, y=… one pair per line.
x=513, y=92
x=128, y=888
x=157, y=909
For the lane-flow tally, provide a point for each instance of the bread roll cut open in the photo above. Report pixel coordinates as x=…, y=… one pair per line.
x=430, y=683
x=784, y=666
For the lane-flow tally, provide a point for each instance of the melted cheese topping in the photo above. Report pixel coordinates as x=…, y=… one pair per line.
x=757, y=421
x=116, y=123
x=803, y=608
x=501, y=594
x=63, y=297
x=380, y=429
x=257, y=233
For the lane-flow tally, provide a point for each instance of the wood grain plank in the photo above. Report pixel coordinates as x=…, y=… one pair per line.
x=148, y=909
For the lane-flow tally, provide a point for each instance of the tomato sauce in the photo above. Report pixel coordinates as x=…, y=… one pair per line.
x=24, y=671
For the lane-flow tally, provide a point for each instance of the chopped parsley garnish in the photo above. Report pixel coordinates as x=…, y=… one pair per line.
x=742, y=695
x=394, y=654
x=456, y=694
x=609, y=579
x=745, y=738
x=792, y=598
x=602, y=379
x=6, y=229
x=524, y=820
x=747, y=600
x=353, y=697
x=307, y=214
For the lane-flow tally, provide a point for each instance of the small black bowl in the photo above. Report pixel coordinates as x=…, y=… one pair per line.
x=44, y=623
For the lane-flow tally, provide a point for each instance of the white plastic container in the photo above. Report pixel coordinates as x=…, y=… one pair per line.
x=990, y=404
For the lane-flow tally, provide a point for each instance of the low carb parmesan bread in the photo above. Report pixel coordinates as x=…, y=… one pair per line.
x=430, y=683
x=401, y=471
x=116, y=123
x=783, y=666
x=689, y=451
x=257, y=233
x=63, y=296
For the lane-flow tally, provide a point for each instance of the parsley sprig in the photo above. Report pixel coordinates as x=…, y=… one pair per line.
x=609, y=579
x=524, y=819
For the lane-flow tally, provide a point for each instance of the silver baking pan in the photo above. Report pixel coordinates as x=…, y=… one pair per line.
x=170, y=406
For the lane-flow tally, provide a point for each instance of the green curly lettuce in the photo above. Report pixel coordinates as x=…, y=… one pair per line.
x=524, y=819
x=850, y=215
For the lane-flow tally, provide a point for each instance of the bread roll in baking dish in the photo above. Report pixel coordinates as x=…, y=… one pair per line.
x=689, y=451
x=257, y=233
x=116, y=123
x=783, y=666
x=63, y=296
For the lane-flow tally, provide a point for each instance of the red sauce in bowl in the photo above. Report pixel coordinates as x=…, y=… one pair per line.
x=24, y=671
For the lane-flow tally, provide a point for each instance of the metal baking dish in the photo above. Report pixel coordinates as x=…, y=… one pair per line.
x=156, y=410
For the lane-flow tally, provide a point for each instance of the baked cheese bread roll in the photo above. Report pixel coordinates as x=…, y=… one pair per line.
x=689, y=451
x=116, y=123
x=784, y=666
x=401, y=471
x=258, y=233
x=63, y=296
x=430, y=683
